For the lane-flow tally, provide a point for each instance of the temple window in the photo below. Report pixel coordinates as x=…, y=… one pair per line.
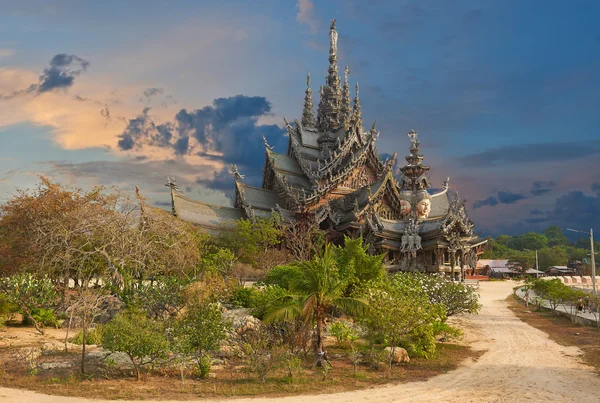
x=433, y=262
x=446, y=257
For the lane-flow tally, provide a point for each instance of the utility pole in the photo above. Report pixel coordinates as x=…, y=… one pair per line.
x=593, y=261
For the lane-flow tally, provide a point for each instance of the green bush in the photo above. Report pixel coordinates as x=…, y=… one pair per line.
x=94, y=336
x=282, y=276
x=242, y=297
x=42, y=316
x=266, y=298
x=344, y=332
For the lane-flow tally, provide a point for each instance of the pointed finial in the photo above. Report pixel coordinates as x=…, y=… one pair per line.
x=308, y=80
x=374, y=127
x=266, y=143
x=234, y=171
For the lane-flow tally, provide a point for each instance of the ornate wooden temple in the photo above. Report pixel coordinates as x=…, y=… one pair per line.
x=332, y=173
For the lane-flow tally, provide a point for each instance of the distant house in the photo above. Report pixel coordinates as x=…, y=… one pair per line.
x=486, y=266
x=561, y=271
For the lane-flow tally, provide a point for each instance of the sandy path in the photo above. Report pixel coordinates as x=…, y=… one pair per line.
x=520, y=364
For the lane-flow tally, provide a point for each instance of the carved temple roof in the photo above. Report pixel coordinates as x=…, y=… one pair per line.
x=323, y=172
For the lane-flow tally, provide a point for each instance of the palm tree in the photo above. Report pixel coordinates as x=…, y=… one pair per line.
x=317, y=290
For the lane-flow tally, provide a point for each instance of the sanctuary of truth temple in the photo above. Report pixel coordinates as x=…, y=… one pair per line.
x=332, y=173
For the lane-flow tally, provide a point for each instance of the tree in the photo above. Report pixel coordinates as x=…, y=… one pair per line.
x=401, y=316
x=521, y=261
x=141, y=338
x=319, y=289
x=29, y=293
x=261, y=346
x=88, y=304
x=356, y=264
x=199, y=332
x=556, y=236
x=249, y=239
x=529, y=240
x=554, y=256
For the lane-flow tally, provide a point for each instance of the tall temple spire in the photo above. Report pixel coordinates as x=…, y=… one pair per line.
x=345, y=110
x=328, y=115
x=308, y=114
x=356, y=114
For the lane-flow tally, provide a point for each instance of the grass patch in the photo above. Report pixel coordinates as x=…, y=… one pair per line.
x=560, y=329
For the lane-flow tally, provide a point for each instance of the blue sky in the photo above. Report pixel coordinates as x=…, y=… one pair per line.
x=504, y=94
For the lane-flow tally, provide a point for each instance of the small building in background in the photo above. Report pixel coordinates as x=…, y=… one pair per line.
x=561, y=271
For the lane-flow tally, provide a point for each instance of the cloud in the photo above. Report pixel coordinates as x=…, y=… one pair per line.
x=227, y=131
x=490, y=201
x=530, y=153
x=509, y=197
x=149, y=93
x=306, y=16
x=542, y=187
x=61, y=73
x=536, y=211
x=596, y=187
x=501, y=197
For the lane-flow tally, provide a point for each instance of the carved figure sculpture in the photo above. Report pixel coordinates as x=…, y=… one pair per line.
x=405, y=207
x=423, y=204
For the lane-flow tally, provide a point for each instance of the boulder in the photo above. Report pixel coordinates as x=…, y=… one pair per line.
x=400, y=355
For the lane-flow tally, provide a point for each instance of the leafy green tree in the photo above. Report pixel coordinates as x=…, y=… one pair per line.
x=521, y=261
x=401, y=315
x=200, y=332
x=141, y=338
x=316, y=292
x=529, y=240
x=556, y=236
x=554, y=256
x=249, y=240
x=356, y=264
x=29, y=293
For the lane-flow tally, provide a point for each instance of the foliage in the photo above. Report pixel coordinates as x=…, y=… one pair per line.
x=242, y=297
x=446, y=331
x=317, y=291
x=161, y=297
x=356, y=265
x=344, y=332
x=199, y=332
x=141, y=338
x=282, y=276
x=402, y=315
x=248, y=240
x=260, y=345
x=71, y=234
x=43, y=316
x=29, y=293
x=556, y=293
x=455, y=297
x=265, y=299
x=216, y=260
x=93, y=336
x=209, y=288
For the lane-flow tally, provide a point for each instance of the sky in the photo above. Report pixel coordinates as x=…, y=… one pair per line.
x=505, y=95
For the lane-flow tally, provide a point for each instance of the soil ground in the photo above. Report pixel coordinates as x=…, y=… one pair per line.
x=519, y=363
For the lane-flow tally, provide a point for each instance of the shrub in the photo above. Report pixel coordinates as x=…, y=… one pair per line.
x=344, y=333
x=42, y=316
x=242, y=297
x=282, y=276
x=134, y=334
x=94, y=336
x=265, y=299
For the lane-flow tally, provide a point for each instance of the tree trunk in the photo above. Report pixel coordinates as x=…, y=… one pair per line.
x=136, y=368
x=36, y=325
x=68, y=328
x=84, y=330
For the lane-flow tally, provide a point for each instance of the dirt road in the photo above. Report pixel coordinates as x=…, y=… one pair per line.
x=520, y=364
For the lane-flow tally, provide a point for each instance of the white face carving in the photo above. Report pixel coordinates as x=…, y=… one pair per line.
x=404, y=207
x=423, y=208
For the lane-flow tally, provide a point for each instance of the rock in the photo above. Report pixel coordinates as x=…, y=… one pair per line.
x=400, y=355
x=52, y=365
x=212, y=375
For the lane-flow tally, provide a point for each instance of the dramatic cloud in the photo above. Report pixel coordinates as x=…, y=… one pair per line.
x=490, y=201
x=509, y=197
x=226, y=131
x=306, y=16
x=536, y=211
x=542, y=187
x=6, y=52
x=502, y=197
x=596, y=187
x=61, y=73
x=528, y=153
